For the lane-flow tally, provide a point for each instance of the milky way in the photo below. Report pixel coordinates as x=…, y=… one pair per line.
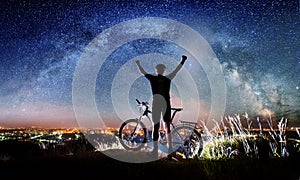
x=256, y=42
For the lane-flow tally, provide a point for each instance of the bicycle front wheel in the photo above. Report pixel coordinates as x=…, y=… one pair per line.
x=132, y=134
x=187, y=142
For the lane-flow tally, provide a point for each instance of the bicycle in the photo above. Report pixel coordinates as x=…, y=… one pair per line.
x=186, y=140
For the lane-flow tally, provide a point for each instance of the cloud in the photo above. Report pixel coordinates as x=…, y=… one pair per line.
x=242, y=94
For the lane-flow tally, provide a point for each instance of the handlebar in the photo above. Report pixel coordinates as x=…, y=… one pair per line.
x=142, y=103
x=146, y=111
x=138, y=101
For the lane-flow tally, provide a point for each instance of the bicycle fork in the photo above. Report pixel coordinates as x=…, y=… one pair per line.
x=136, y=130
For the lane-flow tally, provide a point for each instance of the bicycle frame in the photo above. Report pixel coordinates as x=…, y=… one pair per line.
x=147, y=111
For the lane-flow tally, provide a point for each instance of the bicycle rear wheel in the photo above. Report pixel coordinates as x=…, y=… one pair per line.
x=132, y=134
x=187, y=142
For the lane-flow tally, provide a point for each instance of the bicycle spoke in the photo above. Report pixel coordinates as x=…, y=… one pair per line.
x=187, y=141
x=132, y=134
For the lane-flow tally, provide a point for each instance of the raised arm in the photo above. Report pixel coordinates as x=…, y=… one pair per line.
x=138, y=63
x=176, y=70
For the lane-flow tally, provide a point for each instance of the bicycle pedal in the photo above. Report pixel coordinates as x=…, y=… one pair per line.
x=175, y=159
x=172, y=158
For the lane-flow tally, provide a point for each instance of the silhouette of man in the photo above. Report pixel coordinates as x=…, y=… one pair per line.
x=160, y=86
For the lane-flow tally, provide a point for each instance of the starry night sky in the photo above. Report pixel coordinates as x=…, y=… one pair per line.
x=256, y=42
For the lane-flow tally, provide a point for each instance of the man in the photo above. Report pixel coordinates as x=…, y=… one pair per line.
x=160, y=86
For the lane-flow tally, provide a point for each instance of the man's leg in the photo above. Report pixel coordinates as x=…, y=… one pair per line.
x=169, y=137
x=155, y=136
x=156, y=114
x=167, y=120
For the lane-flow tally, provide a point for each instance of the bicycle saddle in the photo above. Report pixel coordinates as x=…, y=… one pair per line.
x=177, y=109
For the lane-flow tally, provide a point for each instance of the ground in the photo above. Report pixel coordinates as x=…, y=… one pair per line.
x=97, y=165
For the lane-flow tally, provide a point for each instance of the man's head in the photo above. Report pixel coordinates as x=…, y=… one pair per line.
x=160, y=69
